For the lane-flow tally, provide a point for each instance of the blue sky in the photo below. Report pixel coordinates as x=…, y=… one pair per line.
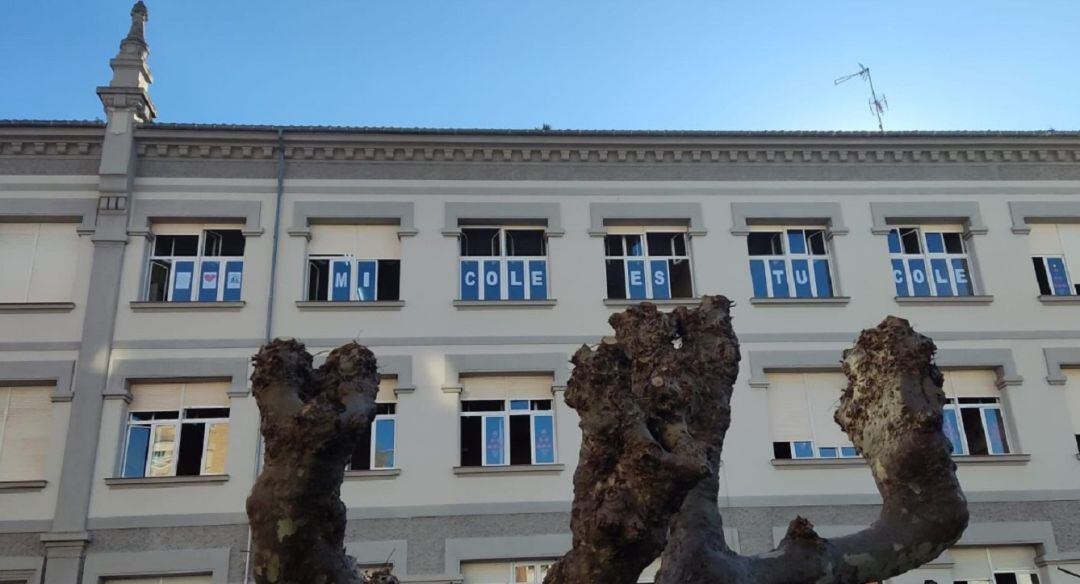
x=573, y=64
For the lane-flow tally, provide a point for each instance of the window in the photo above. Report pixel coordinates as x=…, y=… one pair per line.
x=930, y=263
x=994, y=565
x=202, y=579
x=787, y=263
x=38, y=262
x=376, y=448
x=25, y=432
x=195, y=264
x=531, y=572
x=504, y=423
x=802, y=406
x=1055, y=253
x=526, y=572
x=503, y=263
x=1072, y=398
x=176, y=429
x=354, y=263
x=974, y=421
x=647, y=263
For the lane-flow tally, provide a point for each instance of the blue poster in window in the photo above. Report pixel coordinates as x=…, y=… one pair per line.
x=961, y=277
x=800, y=273
x=939, y=268
x=778, y=277
x=340, y=273
x=952, y=431
x=492, y=281
x=935, y=243
x=538, y=280
x=899, y=277
x=515, y=279
x=758, y=277
x=365, y=280
x=183, y=281
x=796, y=241
x=822, y=278
x=135, y=454
x=894, y=241
x=234, y=278
x=1059, y=277
x=493, y=440
x=470, y=280
x=543, y=440
x=209, y=281
x=919, y=281
x=384, y=444
x=658, y=272
x=635, y=279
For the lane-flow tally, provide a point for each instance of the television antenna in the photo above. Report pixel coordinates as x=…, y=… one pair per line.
x=878, y=105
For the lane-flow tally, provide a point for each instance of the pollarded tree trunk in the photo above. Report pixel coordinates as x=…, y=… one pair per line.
x=311, y=421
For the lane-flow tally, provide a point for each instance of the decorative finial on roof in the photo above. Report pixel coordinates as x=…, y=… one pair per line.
x=139, y=17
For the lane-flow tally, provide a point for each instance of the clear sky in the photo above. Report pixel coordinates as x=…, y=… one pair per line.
x=573, y=64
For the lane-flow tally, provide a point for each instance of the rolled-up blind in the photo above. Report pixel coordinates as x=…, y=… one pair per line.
x=1044, y=239
x=17, y=242
x=823, y=392
x=1012, y=558
x=1072, y=397
x=788, y=407
x=373, y=242
x=149, y=397
x=386, y=390
x=506, y=387
x=25, y=431
x=971, y=563
x=971, y=383
x=1070, y=244
x=639, y=229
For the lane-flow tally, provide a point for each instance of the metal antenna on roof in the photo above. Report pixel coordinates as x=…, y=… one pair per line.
x=878, y=105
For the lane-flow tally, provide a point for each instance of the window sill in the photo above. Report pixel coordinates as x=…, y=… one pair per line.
x=138, y=482
x=17, y=486
x=794, y=463
x=994, y=459
x=518, y=469
x=625, y=302
x=466, y=304
x=830, y=301
x=944, y=299
x=372, y=475
x=1071, y=299
x=350, y=305
x=146, y=306
x=34, y=307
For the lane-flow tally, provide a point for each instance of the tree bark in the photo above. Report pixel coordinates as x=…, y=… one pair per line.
x=311, y=421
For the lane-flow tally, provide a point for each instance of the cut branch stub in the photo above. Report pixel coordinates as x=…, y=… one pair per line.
x=311, y=421
x=654, y=407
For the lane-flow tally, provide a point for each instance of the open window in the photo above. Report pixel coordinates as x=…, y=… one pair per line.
x=195, y=263
x=930, y=261
x=648, y=263
x=994, y=565
x=377, y=447
x=1072, y=398
x=507, y=420
x=974, y=417
x=1055, y=255
x=176, y=429
x=503, y=263
x=801, y=407
x=789, y=262
x=354, y=263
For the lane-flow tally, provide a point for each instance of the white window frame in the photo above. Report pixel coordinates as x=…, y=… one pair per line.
x=954, y=404
x=787, y=256
x=177, y=424
x=503, y=259
x=647, y=258
x=354, y=275
x=540, y=569
x=505, y=416
x=374, y=422
x=196, y=273
x=927, y=258
x=1046, y=269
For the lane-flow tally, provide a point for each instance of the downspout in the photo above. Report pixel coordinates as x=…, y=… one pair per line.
x=269, y=308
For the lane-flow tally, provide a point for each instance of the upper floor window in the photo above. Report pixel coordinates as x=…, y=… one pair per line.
x=376, y=448
x=994, y=565
x=647, y=263
x=195, y=264
x=507, y=421
x=25, y=432
x=192, y=579
x=531, y=572
x=176, y=429
x=789, y=263
x=357, y=263
x=930, y=261
x=1055, y=253
x=1072, y=398
x=503, y=263
x=802, y=406
x=38, y=262
x=974, y=420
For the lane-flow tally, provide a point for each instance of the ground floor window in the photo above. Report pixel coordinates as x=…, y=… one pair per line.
x=176, y=429
x=507, y=432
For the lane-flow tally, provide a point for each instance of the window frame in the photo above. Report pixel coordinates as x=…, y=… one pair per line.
x=196, y=271
x=373, y=441
x=177, y=424
x=540, y=570
x=504, y=259
x=927, y=258
x=647, y=258
x=953, y=404
x=354, y=277
x=788, y=257
x=505, y=414
x=1051, y=290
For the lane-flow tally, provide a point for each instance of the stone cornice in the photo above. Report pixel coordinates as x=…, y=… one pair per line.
x=51, y=141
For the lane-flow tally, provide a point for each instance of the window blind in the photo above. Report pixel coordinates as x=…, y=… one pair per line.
x=25, y=432
x=506, y=387
x=378, y=242
x=38, y=261
x=971, y=383
x=150, y=397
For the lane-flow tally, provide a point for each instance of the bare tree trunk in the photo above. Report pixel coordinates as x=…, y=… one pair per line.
x=311, y=421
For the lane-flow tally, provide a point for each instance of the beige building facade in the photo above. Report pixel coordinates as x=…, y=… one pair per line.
x=142, y=264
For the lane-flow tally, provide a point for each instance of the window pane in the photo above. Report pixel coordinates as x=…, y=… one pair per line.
x=206, y=413
x=361, y=457
x=613, y=245
x=995, y=428
x=796, y=241
x=384, y=443
x=389, y=280
x=471, y=440
x=385, y=409
x=217, y=444
x=827, y=452
x=681, y=285
x=318, y=280
x=161, y=455
x=479, y=242
x=1040, y=276
x=189, y=457
x=519, y=404
x=494, y=441
x=138, y=440
x=525, y=242
x=781, y=450
x=764, y=243
x=660, y=244
x=520, y=440
x=176, y=245
x=973, y=431
x=816, y=239
x=541, y=404
x=483, y=405
x=849, y=452
x=544, y=437
x=935, y=243
x=952, y=431
x=909, y=238
x=1005, y=578
x=954, y=243
x=804, y=449
x=223, y=242
x=157, y=290
x=633, y=245
x=616, y=279
x=525, y=574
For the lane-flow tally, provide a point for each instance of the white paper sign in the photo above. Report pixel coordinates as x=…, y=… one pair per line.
x=232, y=280
x=183, y=280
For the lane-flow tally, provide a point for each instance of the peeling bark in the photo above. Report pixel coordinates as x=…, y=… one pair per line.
x=654, y=407
x=311, y=420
